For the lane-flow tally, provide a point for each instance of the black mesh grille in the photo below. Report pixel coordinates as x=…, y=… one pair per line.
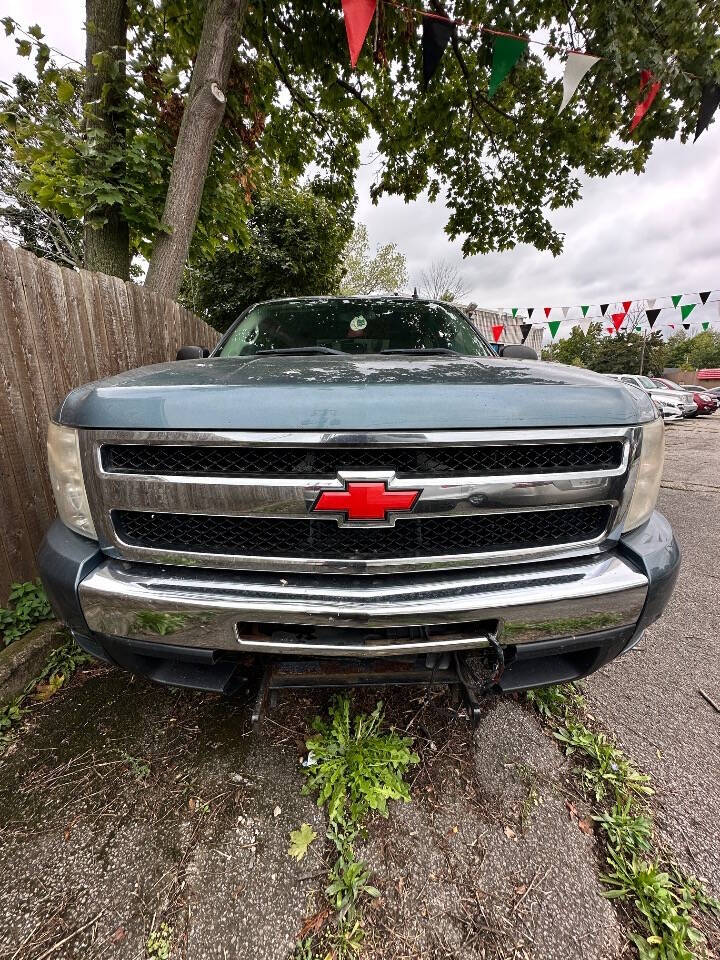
x=325, y=461
x=317, y=539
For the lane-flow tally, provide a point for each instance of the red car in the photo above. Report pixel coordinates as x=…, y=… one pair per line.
x=706, y=402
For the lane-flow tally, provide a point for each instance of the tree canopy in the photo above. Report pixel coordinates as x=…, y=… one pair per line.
x=293, y=105
x=385, y=271
x=702, y=350
x=619, y=353
x=295, y=248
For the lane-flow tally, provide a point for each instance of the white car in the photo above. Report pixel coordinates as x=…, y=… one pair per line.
x=675, y=404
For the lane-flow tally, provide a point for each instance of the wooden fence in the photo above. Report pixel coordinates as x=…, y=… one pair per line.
x=60, y=328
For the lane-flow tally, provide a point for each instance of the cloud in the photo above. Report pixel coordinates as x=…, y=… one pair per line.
x=629, y=237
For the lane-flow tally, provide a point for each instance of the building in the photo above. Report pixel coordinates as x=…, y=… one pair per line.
x=484, y=320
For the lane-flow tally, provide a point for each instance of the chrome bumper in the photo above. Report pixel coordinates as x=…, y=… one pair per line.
x=202, y=608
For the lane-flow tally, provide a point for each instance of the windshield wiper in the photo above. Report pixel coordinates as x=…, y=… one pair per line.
x=308, y=350
x=425, y=351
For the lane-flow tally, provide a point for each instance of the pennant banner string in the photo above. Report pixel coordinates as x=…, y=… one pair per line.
x=503, y=33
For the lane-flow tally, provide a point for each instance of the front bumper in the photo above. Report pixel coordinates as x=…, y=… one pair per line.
x=536, y=611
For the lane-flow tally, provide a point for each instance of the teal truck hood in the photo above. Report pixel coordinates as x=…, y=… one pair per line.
x=353, y=393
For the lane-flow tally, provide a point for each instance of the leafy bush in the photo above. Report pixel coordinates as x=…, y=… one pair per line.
x=27, y=606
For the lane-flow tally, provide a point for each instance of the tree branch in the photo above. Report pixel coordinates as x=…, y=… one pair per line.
x=300, y=98
x=358, y=96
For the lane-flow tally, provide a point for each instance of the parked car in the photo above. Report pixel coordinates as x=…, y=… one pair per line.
x=357, y=490
x=675, y=405
x=704, y=400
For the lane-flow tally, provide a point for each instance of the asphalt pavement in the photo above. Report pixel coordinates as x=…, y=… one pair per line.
x=124, y=806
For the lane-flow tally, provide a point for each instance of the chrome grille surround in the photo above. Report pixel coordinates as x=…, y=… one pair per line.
x=291, y=497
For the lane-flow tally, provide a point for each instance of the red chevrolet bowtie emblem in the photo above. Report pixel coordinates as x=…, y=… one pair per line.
x=366, y=500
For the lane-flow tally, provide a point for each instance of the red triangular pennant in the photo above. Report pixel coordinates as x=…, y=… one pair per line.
x=358, y=17
x=626, y=305
x=547, y=311
x=610, y=329
x=617, y=319
x=644, y=105
x=497, y=331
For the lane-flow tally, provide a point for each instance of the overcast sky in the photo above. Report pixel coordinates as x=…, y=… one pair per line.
x=629, y=237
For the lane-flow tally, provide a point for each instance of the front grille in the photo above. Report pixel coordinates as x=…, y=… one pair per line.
x=324, y=461
x=324, y=539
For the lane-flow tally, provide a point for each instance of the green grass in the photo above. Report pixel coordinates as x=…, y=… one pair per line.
x=662, y=900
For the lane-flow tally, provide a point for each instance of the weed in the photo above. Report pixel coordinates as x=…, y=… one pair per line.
x=662, y=898
x=138, y=767
x=159, y=943
x=27, y=606
x=357, y=770
x=553, y=702
x=304, y=950
x=60, y=665
x=349, y=880
x=609, y=771
x=626, y=832
x=347, y=940
x=663, y=906
x=356, y=766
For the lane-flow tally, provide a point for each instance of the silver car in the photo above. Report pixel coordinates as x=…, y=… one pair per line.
x=675, y=404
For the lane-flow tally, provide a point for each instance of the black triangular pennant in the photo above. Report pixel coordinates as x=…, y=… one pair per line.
x=652, y=316
x=708, y=105
x=603, y=308
x=436, y=36
x=686, y=325
x=525, y=329
x=704, y=294
x=530, y=311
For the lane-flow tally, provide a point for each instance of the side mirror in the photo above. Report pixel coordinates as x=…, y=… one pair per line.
x=192, y=353
x=518, y=351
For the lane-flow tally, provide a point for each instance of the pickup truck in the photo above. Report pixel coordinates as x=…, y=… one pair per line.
x=357, y=490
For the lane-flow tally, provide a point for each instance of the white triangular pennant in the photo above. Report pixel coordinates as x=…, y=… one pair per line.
x=565, y=312
x=576, y=66
x=650, y=303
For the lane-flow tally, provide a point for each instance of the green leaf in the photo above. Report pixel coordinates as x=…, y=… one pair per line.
x=300, y=840
x=24, y=48
x=35, y=31
x=65, y=91
x=9, y=25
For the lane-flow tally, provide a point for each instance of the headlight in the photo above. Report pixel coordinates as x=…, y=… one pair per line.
x=67, y=480
x=647, y=484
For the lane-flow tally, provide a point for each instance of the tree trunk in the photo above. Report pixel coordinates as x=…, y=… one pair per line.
x=201, y=120
x=107, y=247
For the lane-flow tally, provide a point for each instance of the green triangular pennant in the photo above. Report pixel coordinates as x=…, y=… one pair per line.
x=705, y=324
x=585, y=310
x=554, y=325
x=686, y=310
x=514, y=311
x=676, y=298
x=506, y=53
x=638, y=328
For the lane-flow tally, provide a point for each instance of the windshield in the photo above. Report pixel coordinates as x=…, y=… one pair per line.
x=647, y=383
x=667, y=386
x=353, y=325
